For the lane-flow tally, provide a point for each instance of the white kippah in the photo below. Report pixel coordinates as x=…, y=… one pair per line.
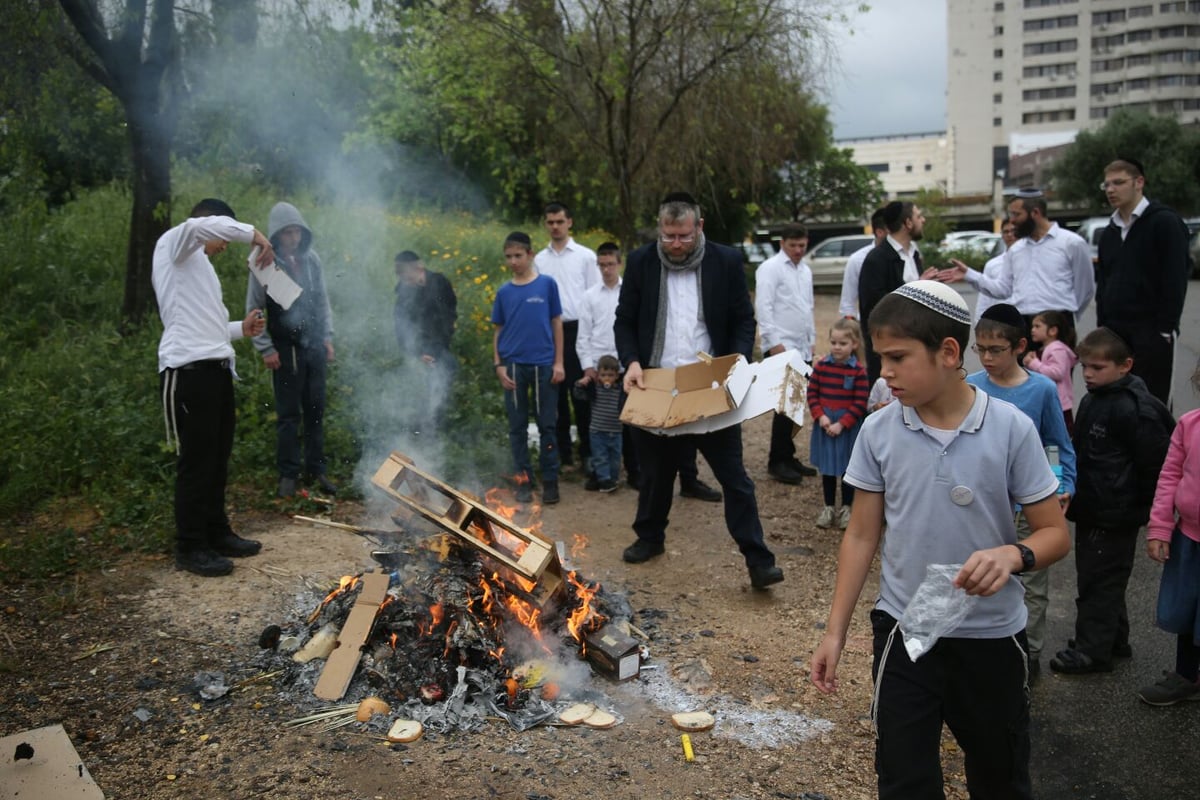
x=938, y=296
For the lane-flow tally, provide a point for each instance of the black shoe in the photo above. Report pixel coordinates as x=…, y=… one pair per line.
x=785, y=473
x=762, y=577
x=608, y=487
x=699, y=490
x=550, y=493
x=803, y=469
x=203, y=562
x=1077, y=662
x=591, y=484
x=641, y=551
x=1118, y=650
x=287, y=487
x=233, y=546
x=524, y=493
x=325, y=485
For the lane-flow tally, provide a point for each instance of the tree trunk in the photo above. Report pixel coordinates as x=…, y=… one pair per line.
x=151, y=214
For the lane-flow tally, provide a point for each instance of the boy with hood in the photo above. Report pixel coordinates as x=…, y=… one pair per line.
x=296, y=346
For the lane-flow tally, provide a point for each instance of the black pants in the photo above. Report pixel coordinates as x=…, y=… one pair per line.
x=1153, y=358
x=583, y=409
x=300, y=399
x=978, y=687
x=661, y=457
x=783, y=446
x=1103, y=563
x=199, y=407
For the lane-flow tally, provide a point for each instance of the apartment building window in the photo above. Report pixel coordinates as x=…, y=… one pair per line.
x=997, y=122
x=1058, y=46
x=998, y=30
x=1140, y=60
x=1047, y=70
x=1141, y=11
x=1179, y=57
x=997, y=98
x=1172, y=8
x=1108, y=65
x=1139, y=84
x=1139, y=36
x=1108, y=17
x=1112, y=87
x=877, y=167
x=998, y=52
x=928, y=167
x=1176, y=31
x=1049, y=93
x=1045, y=3
x=1051, y=23
x=997, y=76
x=1167, y=81
x=1099, y=112
x=1062, y=115
x=1103, y=43
x=999, y=6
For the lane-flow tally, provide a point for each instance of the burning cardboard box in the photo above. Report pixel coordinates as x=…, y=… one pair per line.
x=716, y=393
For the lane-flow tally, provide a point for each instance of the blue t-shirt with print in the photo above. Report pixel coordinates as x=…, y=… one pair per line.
x=524, y=313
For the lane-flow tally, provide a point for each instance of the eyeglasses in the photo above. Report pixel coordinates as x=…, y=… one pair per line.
x=668, y=238
x=991, y=351
x=1115, y=183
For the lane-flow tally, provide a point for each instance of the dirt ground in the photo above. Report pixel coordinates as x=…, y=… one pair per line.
x=143, y=732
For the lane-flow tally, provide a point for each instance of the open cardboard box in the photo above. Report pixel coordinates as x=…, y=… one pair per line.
x=716, y=393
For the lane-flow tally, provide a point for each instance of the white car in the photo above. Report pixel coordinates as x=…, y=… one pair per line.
x=828, y=259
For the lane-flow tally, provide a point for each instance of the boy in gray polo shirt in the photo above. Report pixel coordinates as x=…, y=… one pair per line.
x=943, y=466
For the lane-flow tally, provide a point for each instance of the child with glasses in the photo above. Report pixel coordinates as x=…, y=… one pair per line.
x=1000, y=342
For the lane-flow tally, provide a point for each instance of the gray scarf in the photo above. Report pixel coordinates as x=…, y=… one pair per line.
x=691, y=263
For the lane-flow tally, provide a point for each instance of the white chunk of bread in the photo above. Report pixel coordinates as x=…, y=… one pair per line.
x=693, y=721
x=405, y=730
x=577, y=713
x=600, y=719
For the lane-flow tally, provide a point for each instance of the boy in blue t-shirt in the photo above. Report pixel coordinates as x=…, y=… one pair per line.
x=1000, y=343
x=944, y=466
x=528, y=356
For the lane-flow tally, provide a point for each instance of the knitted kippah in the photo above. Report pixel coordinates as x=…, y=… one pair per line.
x=1005, y=314
x=938, y=296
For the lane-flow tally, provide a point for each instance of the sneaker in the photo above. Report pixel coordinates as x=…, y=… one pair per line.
x=287, y=487
x=550, y=493
x=233, y=546
x=591, y=484
x=843, y=517
x=785, y=473
x=1077, y=662
x=1118, y=650
x=206, y=563
x=825, y=518
x=641, y=551
x=608, y=487
x=1168, y=691
x=524, y=493
x=762, y=577
x=699, y=490
x=803, y=469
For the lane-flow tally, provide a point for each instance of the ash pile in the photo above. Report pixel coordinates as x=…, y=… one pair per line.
x=470, y=618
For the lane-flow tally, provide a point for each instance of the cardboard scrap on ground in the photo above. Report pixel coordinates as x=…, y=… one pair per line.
x=343, y=661
x=43, y=763
x=717, y=393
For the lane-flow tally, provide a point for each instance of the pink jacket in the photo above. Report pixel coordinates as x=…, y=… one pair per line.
x=1178, y=489
x=1056, y=363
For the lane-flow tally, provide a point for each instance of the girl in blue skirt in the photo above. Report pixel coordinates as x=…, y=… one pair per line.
x=837, y=400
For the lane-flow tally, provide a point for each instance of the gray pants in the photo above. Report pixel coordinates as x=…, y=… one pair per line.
x=1037, y=596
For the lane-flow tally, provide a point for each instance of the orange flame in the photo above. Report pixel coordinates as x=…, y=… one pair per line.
x=585, y=618
x=345, y=584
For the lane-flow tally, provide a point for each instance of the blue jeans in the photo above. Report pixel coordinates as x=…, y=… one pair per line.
x=606, y=455
x=534, y=393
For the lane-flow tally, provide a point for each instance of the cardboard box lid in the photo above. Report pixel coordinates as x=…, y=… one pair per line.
x=685, y=394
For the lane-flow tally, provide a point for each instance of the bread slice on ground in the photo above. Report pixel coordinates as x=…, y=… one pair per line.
x=600, y=719
x=693, y=721
x=405, y=730
x=577, y=713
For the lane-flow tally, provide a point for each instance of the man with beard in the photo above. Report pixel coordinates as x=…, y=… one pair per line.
x=1048, y=269
x=682, y=296
x=892, y=263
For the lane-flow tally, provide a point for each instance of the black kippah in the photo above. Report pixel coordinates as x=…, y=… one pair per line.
x=518, y=237
x=679, y=197
x=1004, y=313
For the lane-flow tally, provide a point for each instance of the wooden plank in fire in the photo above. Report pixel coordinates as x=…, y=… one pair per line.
x=517, y=549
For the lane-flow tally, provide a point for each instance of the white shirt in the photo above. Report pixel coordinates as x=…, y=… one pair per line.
x=1054, y=272
x=783, y=303
x=985, y=301
x=686, y=334
x=574, y=270
x=597, y=314
x=848, y=307
x=196, y=324
x=1138, y=210
x=908, y=256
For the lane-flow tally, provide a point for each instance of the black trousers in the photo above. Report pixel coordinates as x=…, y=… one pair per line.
x=199, y=407
x=783, y=446
x=299, y=385
x=1153, y=358
x=978, y=687
x=661, y=457
x=583, y=409
x=689, y=473
x=1103, y=563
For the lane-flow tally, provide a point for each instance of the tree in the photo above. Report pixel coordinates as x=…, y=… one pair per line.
x=1169, y=151
x=829, y=186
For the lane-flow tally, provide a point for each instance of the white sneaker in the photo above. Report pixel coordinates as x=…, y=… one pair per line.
x=843, y=517
x=825, y=518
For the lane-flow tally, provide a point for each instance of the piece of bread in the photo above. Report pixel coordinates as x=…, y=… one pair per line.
x=693, y=721
x=576, y=714
x=405, y=730
x=371, y=706
x=600, y=719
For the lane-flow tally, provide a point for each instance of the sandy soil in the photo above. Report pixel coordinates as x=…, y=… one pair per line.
x=716, y=644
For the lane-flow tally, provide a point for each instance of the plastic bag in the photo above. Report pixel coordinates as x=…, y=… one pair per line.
x=936, y=609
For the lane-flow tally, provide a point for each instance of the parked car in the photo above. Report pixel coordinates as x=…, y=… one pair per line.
x=959, y=238
x=988, y=245
x=828, y=259
x=1091, y=229
x=754, y=253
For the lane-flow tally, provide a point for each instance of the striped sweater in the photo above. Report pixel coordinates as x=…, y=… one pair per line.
x=838, y=387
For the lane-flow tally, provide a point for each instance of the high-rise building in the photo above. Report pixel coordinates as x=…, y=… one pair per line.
x=1029, y=73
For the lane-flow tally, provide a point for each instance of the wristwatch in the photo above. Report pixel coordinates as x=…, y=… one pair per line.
x=1028, y=559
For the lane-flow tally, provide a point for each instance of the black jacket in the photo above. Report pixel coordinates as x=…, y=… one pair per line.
x=1141, y=281
x=1121, y=438
x=882, y=273
x=728, y=312
x=424, y=316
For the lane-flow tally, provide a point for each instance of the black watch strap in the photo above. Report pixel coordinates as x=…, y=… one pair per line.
x=1028, y=559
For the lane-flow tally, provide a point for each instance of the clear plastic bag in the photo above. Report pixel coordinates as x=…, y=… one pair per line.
x=936, y=609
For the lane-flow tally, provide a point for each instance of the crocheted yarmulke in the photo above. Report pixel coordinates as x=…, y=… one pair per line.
x=938, y=296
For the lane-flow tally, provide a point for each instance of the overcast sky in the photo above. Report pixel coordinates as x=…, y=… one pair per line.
x=891, y=74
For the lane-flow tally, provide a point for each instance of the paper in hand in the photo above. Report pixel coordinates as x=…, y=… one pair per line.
x=279, y=285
